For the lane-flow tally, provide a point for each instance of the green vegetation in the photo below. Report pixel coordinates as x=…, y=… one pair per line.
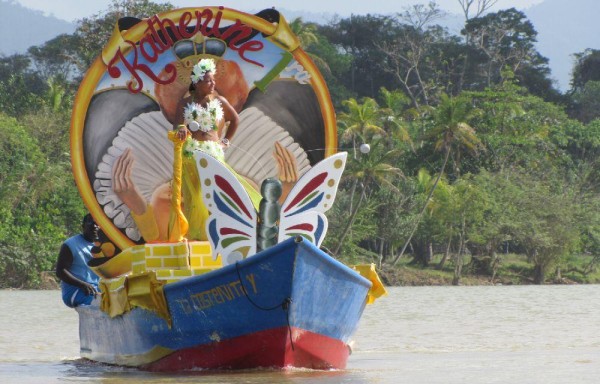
x=480, y=172
x=513, y=269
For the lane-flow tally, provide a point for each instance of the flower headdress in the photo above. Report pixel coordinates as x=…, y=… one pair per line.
x=200, y=69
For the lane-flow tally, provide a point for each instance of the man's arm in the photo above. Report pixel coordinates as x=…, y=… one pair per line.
x=64, y=262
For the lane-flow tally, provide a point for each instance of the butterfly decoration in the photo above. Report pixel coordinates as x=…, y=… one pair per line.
x=233, y=221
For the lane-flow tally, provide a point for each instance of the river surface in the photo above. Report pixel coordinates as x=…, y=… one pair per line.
x=502, y=334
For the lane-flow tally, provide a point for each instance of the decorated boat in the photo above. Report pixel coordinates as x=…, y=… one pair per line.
x=244, y=284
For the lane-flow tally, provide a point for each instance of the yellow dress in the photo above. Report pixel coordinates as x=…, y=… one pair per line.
x=193, y=206
x=188, y=214
x=193, y=223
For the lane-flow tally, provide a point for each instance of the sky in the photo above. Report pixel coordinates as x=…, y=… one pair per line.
x=71, y=10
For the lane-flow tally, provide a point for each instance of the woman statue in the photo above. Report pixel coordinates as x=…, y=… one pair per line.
x=207, y=122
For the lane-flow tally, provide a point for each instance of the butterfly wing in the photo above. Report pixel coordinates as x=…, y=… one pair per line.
x=231, y=225
x=302, y=211
x=311, y=225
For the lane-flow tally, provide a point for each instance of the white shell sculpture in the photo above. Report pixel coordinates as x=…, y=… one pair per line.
x=250, y=154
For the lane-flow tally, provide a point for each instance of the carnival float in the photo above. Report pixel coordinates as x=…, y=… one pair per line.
x=251, y=287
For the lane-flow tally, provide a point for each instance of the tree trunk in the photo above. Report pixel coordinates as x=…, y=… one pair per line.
x=380, y=250
x=459, y=257
x=539, y=274
x=558, y=277
x=429, y=254
x=442, y=262
x=421, y=254
x=495, y=265
x=355, y=182
x=349, y=223
x=424, y=207
x=458, y=267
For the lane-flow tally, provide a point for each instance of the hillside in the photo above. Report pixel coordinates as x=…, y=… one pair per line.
x=23, y=27
x=565, y=29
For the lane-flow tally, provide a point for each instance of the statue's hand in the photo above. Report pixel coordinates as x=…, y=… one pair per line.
x=287, y=169
x=123, y=185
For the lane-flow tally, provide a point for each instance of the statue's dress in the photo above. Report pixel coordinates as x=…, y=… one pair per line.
x=194, y=209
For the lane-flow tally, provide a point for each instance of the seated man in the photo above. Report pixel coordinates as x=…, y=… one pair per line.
x=79, y=284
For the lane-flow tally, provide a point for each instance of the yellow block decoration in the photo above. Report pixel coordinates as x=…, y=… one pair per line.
x=146, y=291
x=138, y=256
x=173, y=275
x=167, y=256
x=200, y=261
x=201, y=256
x=114, y=296
x=377, y=289
x=135, y=276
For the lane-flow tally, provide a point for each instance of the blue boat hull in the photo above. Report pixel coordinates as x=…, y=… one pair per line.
x=290, y=305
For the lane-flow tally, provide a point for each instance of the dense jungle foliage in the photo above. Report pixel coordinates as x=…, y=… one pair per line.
x=477, y=162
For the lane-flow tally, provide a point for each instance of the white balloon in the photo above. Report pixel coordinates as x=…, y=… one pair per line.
x=365, y=148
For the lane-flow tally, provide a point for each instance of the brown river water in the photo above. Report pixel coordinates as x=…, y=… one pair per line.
x=501, y=334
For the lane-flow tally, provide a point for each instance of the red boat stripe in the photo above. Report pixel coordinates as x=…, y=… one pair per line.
x=270, y=348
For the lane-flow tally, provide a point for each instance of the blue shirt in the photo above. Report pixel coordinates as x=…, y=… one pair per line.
x=81, y=249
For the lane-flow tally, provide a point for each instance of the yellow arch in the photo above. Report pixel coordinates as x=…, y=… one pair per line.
x=97, y=70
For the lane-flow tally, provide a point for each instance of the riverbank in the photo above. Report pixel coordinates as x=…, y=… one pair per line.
x=407, y=276
x=512, y=270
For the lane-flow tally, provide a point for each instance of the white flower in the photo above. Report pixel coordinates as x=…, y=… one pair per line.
x=207, y=117
x=213, y=148
x=216, y=109
x=200, y=69
x=190, y=113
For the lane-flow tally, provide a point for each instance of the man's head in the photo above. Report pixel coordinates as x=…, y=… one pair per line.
x=89, y=227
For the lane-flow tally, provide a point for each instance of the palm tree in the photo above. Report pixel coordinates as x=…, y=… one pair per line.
x=307, y=34
x=396, y=105
x=55, y=94
x=451, y=133
x=368, y=171
x=395, y=102
x=362, y=121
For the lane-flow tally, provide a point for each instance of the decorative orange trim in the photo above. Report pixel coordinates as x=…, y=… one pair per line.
x=80, y=107
x=324, y=98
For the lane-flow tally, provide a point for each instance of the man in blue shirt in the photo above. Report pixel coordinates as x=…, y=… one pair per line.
x=79, y=284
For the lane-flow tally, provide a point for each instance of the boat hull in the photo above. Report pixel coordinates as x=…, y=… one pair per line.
x=289, y=306
x=270, y=348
